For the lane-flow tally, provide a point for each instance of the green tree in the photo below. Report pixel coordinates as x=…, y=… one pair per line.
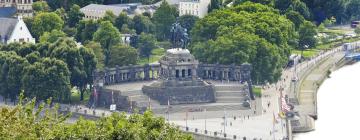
x=81, y=62
x=188, y=21
x=40, y=6
x=357, y=30
x=90, y=62
x=46, y=22
x=122, y=55
x=85, y=30
x=47, y=78
x=98, y=51
x=122, y=19
x=52, y=125
x=109, y=16
x=74, y=15
x=214, y=4
x=163, y=18
x=239, y=34
x=283, y=5
x=146, y=44
x=300, y=7
x=108, y=36
x=51, y=37
x=142, y=24
x=307, y=33
x=352, y=10
x=295, y=17
x=11, y=72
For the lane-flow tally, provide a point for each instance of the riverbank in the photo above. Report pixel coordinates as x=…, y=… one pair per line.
x=305, y=90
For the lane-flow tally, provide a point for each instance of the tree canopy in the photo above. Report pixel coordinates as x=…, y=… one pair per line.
x=24, y=121
x=46, y=22
x=249, y=32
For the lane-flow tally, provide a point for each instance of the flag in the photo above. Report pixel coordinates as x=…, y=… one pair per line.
x=284, y=106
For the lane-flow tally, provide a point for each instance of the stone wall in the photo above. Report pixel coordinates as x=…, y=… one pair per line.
x=181, y=94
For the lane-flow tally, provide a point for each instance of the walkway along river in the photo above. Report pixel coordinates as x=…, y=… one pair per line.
x=338, y=106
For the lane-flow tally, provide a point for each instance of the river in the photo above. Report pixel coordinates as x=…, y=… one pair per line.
x=338, y=107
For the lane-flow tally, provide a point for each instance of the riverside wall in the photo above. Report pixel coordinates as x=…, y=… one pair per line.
x=303, y=94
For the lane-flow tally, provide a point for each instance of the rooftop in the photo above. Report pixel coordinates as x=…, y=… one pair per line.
x=7, y=11
x=7, y=26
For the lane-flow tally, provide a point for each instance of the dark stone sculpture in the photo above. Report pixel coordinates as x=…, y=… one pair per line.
x=179, y=36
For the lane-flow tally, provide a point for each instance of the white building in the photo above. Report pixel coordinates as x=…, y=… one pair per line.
x=194, y=7
x=23, y=7
x=14, y=30
x=97, y=11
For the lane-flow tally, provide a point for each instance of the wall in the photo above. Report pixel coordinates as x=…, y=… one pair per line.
x=21, y=32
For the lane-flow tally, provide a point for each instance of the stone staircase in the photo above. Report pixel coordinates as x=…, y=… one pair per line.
x=141, y=99
x=231, y=94
x=228, y=97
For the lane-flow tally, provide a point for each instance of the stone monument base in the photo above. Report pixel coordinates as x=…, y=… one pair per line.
x=180, y=91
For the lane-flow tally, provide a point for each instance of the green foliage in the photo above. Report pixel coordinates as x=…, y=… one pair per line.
x=11, y=66
x=357, y=30
x=36, y=80
x=142, y=24
x=321, y=27
x=257, y=91
x=98, y=51
x=214, y=4
x=163, y=18
x=122, y=55
x=146, y=44
x=80, y=61
x=51, y=37
x=188, y=21
x=307, y=33
x=250, y=32
x=27, y=122
x=85, y=30
x=109, y=16
x=74, y=15
x=46, y=22
x=295, y=17
x=40, y=6
x=108, y=36
x=123, y=19
x=301, y=8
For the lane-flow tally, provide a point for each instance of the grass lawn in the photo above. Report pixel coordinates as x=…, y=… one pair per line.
x=335, y=31
x=307, y=53
x=257, y=91
x=156, y=55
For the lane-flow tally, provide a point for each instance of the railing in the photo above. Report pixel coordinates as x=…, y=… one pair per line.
x=215, y=134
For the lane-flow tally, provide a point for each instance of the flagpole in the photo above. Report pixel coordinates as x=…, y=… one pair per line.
x=224, y=120
x=205, y=119
x=186, y=119
x=274, y=121
x=168, y=114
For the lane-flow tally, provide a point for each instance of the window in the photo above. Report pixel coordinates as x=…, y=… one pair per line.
x=21, y=40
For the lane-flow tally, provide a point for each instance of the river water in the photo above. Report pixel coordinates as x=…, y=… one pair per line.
x=338, y=107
